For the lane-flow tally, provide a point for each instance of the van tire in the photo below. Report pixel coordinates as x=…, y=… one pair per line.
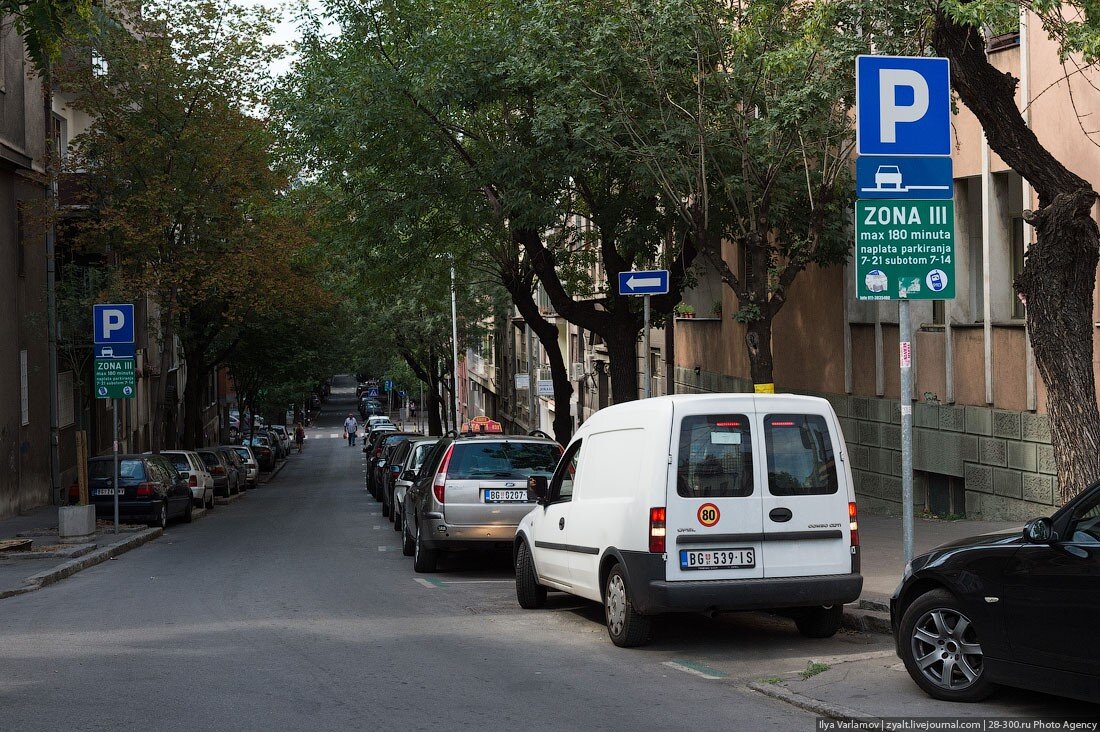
x=820, y=622
x=530, y=594
x=424, y=559
x=626, y=626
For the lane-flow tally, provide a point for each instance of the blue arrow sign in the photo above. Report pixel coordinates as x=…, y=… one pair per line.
x=903, y=105
x=904, y=178
x=113, y=324
x=649, y=282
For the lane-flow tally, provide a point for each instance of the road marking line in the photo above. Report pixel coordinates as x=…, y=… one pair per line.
x=431, y=584
x=387, y=548
x=476, y=582
x=696, y=669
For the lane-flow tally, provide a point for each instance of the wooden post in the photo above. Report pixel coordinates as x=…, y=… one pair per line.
x=82, y=465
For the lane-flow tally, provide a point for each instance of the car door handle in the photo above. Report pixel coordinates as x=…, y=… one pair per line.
x=561, y=523
x=779, y=515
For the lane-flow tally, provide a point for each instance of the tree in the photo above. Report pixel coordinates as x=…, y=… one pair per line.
x=1059, y=271
x=181, y=177
x=46, y=25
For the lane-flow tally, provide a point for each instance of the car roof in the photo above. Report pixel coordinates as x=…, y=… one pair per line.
x=122, y=456
x=496, y=437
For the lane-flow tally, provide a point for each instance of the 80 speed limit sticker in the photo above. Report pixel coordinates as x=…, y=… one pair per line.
x=708, y=514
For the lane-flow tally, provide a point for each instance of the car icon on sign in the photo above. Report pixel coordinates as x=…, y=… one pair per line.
x=888, y=175
x=107, y=352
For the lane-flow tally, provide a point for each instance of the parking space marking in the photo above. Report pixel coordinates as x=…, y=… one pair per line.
x=476, y=582
x=696, y=669
x=431, y=584
x=387, y=548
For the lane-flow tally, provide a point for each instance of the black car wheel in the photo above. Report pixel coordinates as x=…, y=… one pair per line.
x=162, y=518
x=210, y=504
x=189, y=513
x=424, y=559
x=396, y=518
x=530, y=594
x=820, y=622
x=408, y=544
x=385, y=508
x=942, y=650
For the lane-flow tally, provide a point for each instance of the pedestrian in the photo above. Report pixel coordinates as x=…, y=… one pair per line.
x=299, y=436
x=412, y=409
x=350, y=428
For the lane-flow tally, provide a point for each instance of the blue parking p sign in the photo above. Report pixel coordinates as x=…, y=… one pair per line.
x=903, y=105
x=113, y=324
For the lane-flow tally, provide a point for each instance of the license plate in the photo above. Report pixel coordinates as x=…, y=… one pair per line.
x=492, y=495
x=108, y=491
x=717, y=558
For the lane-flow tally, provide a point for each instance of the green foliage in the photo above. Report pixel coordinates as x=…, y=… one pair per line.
x=46, y=25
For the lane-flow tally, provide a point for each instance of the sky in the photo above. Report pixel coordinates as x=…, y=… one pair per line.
x=286, y=33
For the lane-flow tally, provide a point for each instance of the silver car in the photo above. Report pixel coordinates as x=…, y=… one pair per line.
x=472, y=493
x=250, y=462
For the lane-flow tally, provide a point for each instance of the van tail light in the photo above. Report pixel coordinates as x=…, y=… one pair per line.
x=657, y=530
x=193, y=481
x=853, y=529
x=144, y=490
x=439, y=483
x=74, y=493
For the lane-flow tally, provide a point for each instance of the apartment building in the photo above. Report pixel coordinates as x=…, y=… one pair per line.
x=981, y=438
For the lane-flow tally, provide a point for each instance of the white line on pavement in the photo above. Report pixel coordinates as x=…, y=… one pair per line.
x=426, y=583
x=696, y=669
x=477, y=582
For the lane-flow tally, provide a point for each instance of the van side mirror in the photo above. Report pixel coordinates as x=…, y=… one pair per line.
x=538, y=487
x=1039, y=531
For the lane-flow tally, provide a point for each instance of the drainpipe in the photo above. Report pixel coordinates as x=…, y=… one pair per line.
x=51, y=283
x=1025, y=98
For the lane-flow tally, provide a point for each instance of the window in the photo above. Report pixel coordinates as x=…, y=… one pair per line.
x=129, y=471
x=180, y=461
x=24, y=391
x=715, y=458
x=800, y=455
x=99, y=65
x=473, y=460
x=561, y=489
x=1085, y=528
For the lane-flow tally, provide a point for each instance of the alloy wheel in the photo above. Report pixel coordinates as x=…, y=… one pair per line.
x=945, y=648
x=616, y=604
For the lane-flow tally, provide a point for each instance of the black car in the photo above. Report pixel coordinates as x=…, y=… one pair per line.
x=1017, y=608
x=376, y=462
x=224, y=473
x=235, y=465
x=151, y=490
x=388, y=467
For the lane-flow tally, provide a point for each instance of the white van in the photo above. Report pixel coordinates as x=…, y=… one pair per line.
x=698, y=503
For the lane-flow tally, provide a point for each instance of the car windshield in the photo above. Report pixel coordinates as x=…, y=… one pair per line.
x=209, y=459
x=243, y=452
x=181, y=462
x=502, y=460
x=129, y=471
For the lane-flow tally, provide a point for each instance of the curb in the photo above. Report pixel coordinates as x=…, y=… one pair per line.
x=271, y=476
x=824, y=709
x=226, y=500
x=867, y=621
x=67, y=569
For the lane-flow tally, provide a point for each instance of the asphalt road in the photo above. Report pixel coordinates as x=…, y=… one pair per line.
x=294, y=609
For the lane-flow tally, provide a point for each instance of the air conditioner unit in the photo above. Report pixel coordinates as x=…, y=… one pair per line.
x=577, y=372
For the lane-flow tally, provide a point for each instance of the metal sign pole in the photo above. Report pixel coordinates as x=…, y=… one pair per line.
x=114, y=448
x=648, y=365
x=906, y=402
x=532, y=380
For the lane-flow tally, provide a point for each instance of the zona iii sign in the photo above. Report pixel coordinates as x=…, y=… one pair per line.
x=905, y=250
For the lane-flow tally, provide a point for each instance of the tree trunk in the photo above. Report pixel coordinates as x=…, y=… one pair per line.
x=622, y=353
x=193, y=406
x=758, y=342
x=520, y=290
x=160, y=394
x=1060, y=268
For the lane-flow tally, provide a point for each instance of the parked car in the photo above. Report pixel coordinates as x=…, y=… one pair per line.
x=250, y=462
x=473, y=493
x=372, y=446
x=1013, y=608
x=198, y=477
x=284, y=436
x=236, y=464
x=369, y=406
x=263, y=450
x=410, y=458
x=225, y=475
x=150, y=489
x=698, y=503
x=383, y=473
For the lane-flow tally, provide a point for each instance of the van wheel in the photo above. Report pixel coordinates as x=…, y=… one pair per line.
x=820, y=622
x=529, y=592
x=423, y=557
x=626, y=626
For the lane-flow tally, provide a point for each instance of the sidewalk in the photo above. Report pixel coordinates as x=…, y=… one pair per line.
x=47, y=561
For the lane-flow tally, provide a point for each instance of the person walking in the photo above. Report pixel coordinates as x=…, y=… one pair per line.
x=350, y=428
x=299, y=436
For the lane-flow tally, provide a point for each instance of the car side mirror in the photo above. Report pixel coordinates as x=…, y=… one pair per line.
x=1039, y=531
x=538, y=487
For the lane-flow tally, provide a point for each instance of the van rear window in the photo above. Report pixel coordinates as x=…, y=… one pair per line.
x=800, y=455
x=715, y=457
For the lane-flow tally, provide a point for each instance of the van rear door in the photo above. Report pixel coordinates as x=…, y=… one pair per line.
x=714, y=513
x=806, y=524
